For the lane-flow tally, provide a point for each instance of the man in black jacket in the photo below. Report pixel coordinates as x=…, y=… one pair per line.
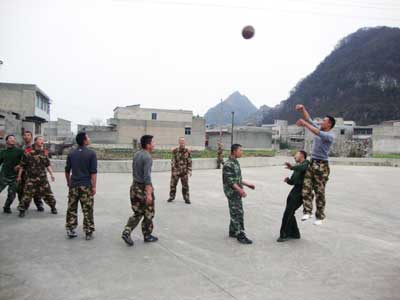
x=289, y=229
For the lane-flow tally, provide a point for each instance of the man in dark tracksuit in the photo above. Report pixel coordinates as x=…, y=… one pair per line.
x=289, y=229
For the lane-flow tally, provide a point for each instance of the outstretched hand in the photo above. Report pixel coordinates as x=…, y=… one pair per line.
x=288, y=165
x=301, y=123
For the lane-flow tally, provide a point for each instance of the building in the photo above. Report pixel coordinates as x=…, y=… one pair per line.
x=386, y=138
x=22, y=107
x=131, y=122
x=58, y=131
x=250, y=137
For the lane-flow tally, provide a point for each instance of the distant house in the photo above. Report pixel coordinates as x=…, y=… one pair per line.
x=131, y=122
x=22, y=107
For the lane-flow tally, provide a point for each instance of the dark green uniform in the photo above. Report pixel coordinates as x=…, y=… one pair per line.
x=232, y=174
x=9, y=159
x=181, y=166
x=34, y=162
x=289, y=228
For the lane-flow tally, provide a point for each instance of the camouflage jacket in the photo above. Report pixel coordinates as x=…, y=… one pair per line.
x=231, y=174
x=34, y=163
x=220, y=151
x=181, y=163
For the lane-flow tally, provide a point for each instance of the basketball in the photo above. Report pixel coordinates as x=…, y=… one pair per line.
x=248, y=32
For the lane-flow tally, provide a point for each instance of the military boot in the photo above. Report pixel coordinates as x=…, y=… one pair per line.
x=126, y=236
x=242, y=238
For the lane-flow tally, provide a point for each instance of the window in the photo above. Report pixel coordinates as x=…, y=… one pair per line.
x=188, y=130
x=154, y=116
x=342, y=131
x=38, y=128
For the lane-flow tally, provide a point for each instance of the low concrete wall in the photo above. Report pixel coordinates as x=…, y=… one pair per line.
x=164, y=165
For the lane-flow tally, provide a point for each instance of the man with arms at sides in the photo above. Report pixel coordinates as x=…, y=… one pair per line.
x=82, y=186
x=142, y=193
x=34, y=163
x=233, y=189
x=27, y=137
x=317, y=174
x=181, y=168
x=289, y=228
x=9, y=162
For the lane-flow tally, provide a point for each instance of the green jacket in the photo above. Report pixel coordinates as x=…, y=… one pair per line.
x=299, y=171
x=231, y=174
x=9, y=159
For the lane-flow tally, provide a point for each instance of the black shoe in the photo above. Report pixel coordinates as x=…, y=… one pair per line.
x=232, y=234
x=281, y=239
x=150, y=239
x=7, y=210
x=296, y=237
x=40, y=208
x=188, y=201
x=71, y=233
x=242, y=238
x=54, y=211
x=89, y=236
x=170, y=199
x=126, y=236
x=21, y=214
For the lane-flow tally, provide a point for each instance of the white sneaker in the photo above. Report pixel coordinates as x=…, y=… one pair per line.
x=305, y=217
x=317, y=222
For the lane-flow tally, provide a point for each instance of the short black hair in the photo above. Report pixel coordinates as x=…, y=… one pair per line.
x=37, y=137
x=234, y=147
x=8, y=136
x=331, y=120
x=80, y=138
x=145, y=140
x=304, y=153
x=27, y=131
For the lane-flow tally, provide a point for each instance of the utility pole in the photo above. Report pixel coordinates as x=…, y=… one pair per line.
x=233, y=119
x=221, y=121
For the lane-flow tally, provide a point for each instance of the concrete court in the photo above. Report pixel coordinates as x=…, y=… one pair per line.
x=354, y=255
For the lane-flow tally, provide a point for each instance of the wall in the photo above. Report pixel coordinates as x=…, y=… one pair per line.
x=198, y=135
x=17, y=98
x=164, y=165
x=137, y=113
x=9, y=125
x=386, y=139
x=249, y=139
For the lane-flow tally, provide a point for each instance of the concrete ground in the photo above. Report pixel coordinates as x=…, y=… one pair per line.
x=354, y=255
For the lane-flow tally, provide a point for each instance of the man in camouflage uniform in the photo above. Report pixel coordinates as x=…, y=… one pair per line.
x=233, y=189
x=220, y=155
x=181, y=168
x=9, y=161
x=34, y=163
x=27, y=137
x=82, y=186
x=142, y=193
x=317, y=174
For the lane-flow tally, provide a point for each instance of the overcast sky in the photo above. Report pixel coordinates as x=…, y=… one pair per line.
x=91, y=56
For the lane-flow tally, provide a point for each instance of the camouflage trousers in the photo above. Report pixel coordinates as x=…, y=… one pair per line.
x=37, y=188
x=315, y=180
x=220, y=161
x=236, y=212
x=140, y=210
x=84, y=195
x=185, y=186
x=11, y=183
x=20, y=191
